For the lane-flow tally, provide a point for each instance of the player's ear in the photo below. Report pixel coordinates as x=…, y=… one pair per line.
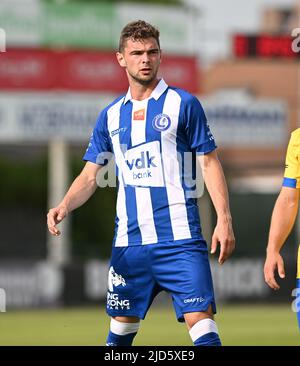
x=160, y=56
x=121, y=59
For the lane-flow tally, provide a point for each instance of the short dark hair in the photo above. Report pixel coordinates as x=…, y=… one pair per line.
x=138, y=30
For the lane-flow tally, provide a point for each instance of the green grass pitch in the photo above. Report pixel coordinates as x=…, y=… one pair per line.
x=247, y=325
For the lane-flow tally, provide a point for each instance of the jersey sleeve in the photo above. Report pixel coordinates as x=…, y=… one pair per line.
x=292, y=164
x=99, y=148
x=199, y=135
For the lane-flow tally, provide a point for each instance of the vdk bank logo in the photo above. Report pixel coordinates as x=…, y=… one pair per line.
x=142, y=165
x=145, y=160
x=2, y=40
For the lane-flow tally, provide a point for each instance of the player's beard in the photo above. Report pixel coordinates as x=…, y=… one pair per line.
x=145, y=81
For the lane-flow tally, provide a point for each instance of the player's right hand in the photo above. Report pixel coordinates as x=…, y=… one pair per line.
x=54, y=217
x=273, y=263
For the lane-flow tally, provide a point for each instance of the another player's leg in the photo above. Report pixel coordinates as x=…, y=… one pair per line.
x=202, y=328
x=297, y=300
x=122, y=330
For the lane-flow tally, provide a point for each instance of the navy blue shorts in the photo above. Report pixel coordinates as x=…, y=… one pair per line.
x=138, y=273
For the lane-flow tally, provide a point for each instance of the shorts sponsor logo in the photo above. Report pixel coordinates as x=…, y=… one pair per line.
x=114, y=279
x=113, y=300
x=194, y=299
x=161, y=122
x=115, y=303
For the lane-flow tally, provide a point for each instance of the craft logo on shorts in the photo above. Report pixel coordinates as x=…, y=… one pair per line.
x=161, y=122
x=194, y=299
x=139, y=115
x=2, y=40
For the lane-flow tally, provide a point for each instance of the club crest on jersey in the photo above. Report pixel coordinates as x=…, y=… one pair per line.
x=161, y=122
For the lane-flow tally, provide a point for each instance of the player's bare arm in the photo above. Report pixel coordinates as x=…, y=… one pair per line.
x=282, y=221
x=217, y=188
x=80, y=191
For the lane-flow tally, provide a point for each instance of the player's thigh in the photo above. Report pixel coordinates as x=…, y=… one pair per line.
x=131, y=287
x=184, y=272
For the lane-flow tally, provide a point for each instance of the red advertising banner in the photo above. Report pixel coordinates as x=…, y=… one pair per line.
x=27, y=69
x=181, y=72
x=36, y=69
x=263, y=46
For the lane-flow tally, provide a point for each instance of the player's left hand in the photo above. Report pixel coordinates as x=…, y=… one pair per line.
x=274, y=263
x=224, y=236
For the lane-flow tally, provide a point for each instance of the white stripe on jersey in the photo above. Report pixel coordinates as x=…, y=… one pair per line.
x=113, y=123
x=175, y=192
x=143, y=197
x=138, y=126
x=145, y=215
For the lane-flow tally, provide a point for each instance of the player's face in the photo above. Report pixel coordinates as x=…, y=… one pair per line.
x=141, y=60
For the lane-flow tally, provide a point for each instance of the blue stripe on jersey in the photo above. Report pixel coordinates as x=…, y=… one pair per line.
x=116, y=218
x=159, y=198
x=188, y=171
x=125, y=122
x=193, y=217
x=289, y=182
x=133, y=230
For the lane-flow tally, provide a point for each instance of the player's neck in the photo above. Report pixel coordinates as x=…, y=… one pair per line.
x=141, y=92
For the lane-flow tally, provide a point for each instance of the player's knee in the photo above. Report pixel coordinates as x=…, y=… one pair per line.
x=122, y=333
x=192, y=318
x=126, y=319
x=124, y=327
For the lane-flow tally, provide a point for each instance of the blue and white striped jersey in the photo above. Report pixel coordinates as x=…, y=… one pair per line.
x=155, y=142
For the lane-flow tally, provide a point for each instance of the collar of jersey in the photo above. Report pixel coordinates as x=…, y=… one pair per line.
x=157, y=92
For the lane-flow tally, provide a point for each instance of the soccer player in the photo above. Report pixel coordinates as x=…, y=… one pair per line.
x=158, y=243
x=283, y=218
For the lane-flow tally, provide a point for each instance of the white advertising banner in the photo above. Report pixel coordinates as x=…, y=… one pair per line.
x=34, y=117
x=238, y=120
x=30, y=117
